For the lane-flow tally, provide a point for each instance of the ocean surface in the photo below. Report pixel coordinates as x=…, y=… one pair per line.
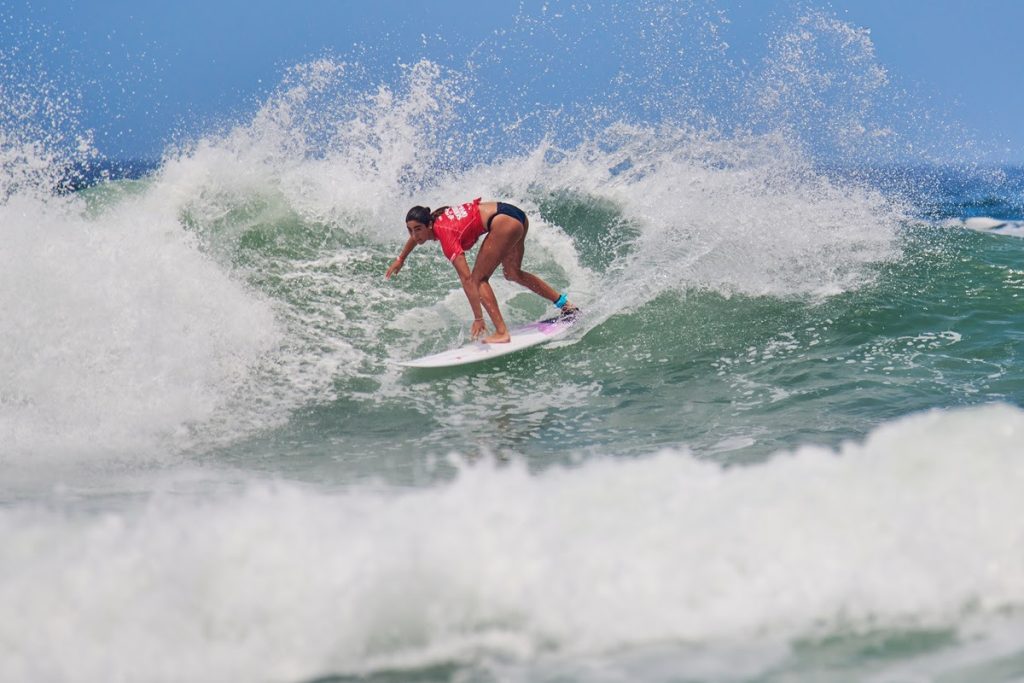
x=785, y=443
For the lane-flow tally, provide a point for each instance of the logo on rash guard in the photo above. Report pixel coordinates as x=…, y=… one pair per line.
x=457, y=213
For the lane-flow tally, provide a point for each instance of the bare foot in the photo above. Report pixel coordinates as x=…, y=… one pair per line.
x=497, y=339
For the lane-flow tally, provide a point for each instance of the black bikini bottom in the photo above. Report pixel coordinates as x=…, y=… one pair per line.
x=508, y=210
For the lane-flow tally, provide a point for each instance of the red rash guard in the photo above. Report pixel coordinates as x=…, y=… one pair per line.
x=458, y=228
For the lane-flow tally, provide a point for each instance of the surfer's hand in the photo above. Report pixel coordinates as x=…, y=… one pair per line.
x=394, y=267
x=478, y=329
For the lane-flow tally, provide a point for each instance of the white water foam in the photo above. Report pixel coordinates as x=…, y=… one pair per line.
x=917, y=527
x=117, y=332
x=739, y=215
x=127, y=327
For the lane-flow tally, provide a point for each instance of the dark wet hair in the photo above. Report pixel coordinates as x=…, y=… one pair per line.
x=423, y=214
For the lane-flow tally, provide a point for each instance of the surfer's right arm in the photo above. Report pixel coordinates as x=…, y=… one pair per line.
x=396, y=266
x=472, y=291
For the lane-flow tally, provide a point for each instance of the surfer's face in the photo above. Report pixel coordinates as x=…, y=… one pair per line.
x=418, y=231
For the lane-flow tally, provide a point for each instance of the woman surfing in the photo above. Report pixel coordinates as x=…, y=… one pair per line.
x=458, y=228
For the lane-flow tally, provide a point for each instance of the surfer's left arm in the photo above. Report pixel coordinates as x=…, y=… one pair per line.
x=396, y=266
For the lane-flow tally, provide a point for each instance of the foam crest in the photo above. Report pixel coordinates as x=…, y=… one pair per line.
x=743, y=214
x=119, y=333
x=134, y=329
x=339, y=150
x=914, y=528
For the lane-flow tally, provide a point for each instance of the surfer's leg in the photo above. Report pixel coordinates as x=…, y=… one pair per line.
x=512, y=267
x=505, y=232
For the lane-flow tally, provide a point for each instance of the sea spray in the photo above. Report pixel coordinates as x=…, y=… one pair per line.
x=118, y=334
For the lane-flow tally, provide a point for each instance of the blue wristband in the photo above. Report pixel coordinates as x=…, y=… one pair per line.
x=561, y=300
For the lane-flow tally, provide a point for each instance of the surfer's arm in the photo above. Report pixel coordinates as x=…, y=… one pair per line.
x=396, y=266
x=472, y=292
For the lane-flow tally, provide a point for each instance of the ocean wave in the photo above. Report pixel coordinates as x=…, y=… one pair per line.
x=240, y=280
x=914, y=528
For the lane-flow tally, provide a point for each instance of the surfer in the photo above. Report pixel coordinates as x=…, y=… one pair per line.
x=458, y=228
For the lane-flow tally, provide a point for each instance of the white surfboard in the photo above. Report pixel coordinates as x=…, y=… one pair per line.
x=995, y=226
x=983, y=223
x=523, y=337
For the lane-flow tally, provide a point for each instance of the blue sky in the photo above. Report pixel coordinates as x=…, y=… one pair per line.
x=146, y=71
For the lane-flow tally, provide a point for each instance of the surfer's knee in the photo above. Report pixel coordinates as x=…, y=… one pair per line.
x=512, y=274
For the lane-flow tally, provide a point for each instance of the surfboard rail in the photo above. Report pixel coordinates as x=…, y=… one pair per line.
x=522, y=337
